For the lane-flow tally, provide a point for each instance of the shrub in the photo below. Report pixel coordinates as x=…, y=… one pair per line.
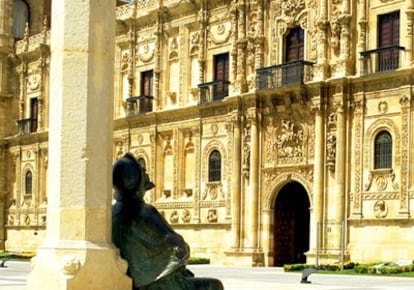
x=296, y=267
x=198, y=261
x=361, y=269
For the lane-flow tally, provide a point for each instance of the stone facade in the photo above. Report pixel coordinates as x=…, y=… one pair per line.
x=201, y=83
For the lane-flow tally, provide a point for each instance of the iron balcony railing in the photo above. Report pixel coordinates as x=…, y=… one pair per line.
x=291, y=73
x=213, y=91
x=26, y=126
x=139, y=105
x=381, y=59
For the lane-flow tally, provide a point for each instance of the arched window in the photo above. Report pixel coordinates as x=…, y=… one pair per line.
x=383, y=150
x=214, y=166
x=28, y=182
x=20, y=17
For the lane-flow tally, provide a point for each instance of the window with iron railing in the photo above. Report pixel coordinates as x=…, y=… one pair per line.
x=388, y=54
x=24, y=126
x=292, y=73
x=139, y=105
x=217, y=89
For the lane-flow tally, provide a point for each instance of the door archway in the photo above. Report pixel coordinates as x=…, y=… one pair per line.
x=291, y=225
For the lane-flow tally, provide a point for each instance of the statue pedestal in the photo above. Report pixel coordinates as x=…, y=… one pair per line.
x=74, y=265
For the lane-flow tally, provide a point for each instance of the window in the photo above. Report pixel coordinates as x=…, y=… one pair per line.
x=221, y=76
x=34, y=107
x=20, y=18
x=28, y=182
x=294, y=45
x=388, y=41
x=147, y=78
x=214, y=166
x=383, y=150
x=292, y=72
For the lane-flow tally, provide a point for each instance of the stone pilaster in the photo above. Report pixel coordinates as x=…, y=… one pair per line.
x=340, y=162
x=77, y=252
x=318, y=178
x=253, y=194
x=236, y=185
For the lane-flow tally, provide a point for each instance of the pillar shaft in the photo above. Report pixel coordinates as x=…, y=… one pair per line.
x=340, y=172
x=77, y=252
x=318, y=181
x=253, y=194
x=236, y=178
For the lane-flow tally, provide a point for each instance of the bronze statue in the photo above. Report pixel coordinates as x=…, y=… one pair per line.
x=156, y=254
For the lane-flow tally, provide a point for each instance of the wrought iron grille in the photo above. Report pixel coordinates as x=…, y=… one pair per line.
x=291, y=73
x=139, y=105
x=381, y=59
x=213, y=91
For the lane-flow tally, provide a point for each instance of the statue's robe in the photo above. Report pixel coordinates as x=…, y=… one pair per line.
x=154, y=251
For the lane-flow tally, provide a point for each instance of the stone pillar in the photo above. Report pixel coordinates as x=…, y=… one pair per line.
x=318, y=179
x=253, y=181
x=77, y=252
x=6, y=44
x=236, y=181
x=340, y=163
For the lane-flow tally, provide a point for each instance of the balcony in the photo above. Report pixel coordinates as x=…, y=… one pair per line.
x=213, y=91
x=139, y=105
x=381, y=59
x=26, y=126
x=291, y=73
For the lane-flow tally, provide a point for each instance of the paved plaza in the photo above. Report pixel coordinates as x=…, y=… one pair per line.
x=244, y=278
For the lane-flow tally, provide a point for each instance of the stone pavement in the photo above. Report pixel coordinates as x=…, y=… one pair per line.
x=245, y=278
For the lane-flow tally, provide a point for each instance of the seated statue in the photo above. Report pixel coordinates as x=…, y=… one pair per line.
x=156, y=254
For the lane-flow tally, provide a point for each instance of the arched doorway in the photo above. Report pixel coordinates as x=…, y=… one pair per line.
x=291, y=225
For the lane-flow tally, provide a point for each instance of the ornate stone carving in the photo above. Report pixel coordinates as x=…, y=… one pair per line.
x=220, y=33
x=186, y=216
x=212, y=215
x=70, y=265
x=382, y=107
x=289, y=141
x=146, y=52
x=380, y=209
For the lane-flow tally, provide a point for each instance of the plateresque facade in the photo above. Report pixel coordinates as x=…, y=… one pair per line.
x=275, y=131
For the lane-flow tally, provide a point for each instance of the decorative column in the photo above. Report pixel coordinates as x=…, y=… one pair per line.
x=340, y=172
x=259, y=40
x=77, y=252
x=340, y=168
x=234, y=36
x=6, y=44
x=241, y=85
x=362, y=42
x=321, y=67
x=405, y=102
x=409, y=33
x=44, y=74
x=358, y=135
x=253, y=181
x=345, y=43
x=318, y=176
x=236, y=182
x=157, y=69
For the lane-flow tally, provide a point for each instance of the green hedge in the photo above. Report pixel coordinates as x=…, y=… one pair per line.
x=197, y=261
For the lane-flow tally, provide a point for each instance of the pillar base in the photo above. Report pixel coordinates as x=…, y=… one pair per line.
x=74, y=265
x=243, y=257
x=325, y=257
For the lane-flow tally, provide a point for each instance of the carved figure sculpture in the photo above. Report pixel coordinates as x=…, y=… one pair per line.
x=156, y=254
